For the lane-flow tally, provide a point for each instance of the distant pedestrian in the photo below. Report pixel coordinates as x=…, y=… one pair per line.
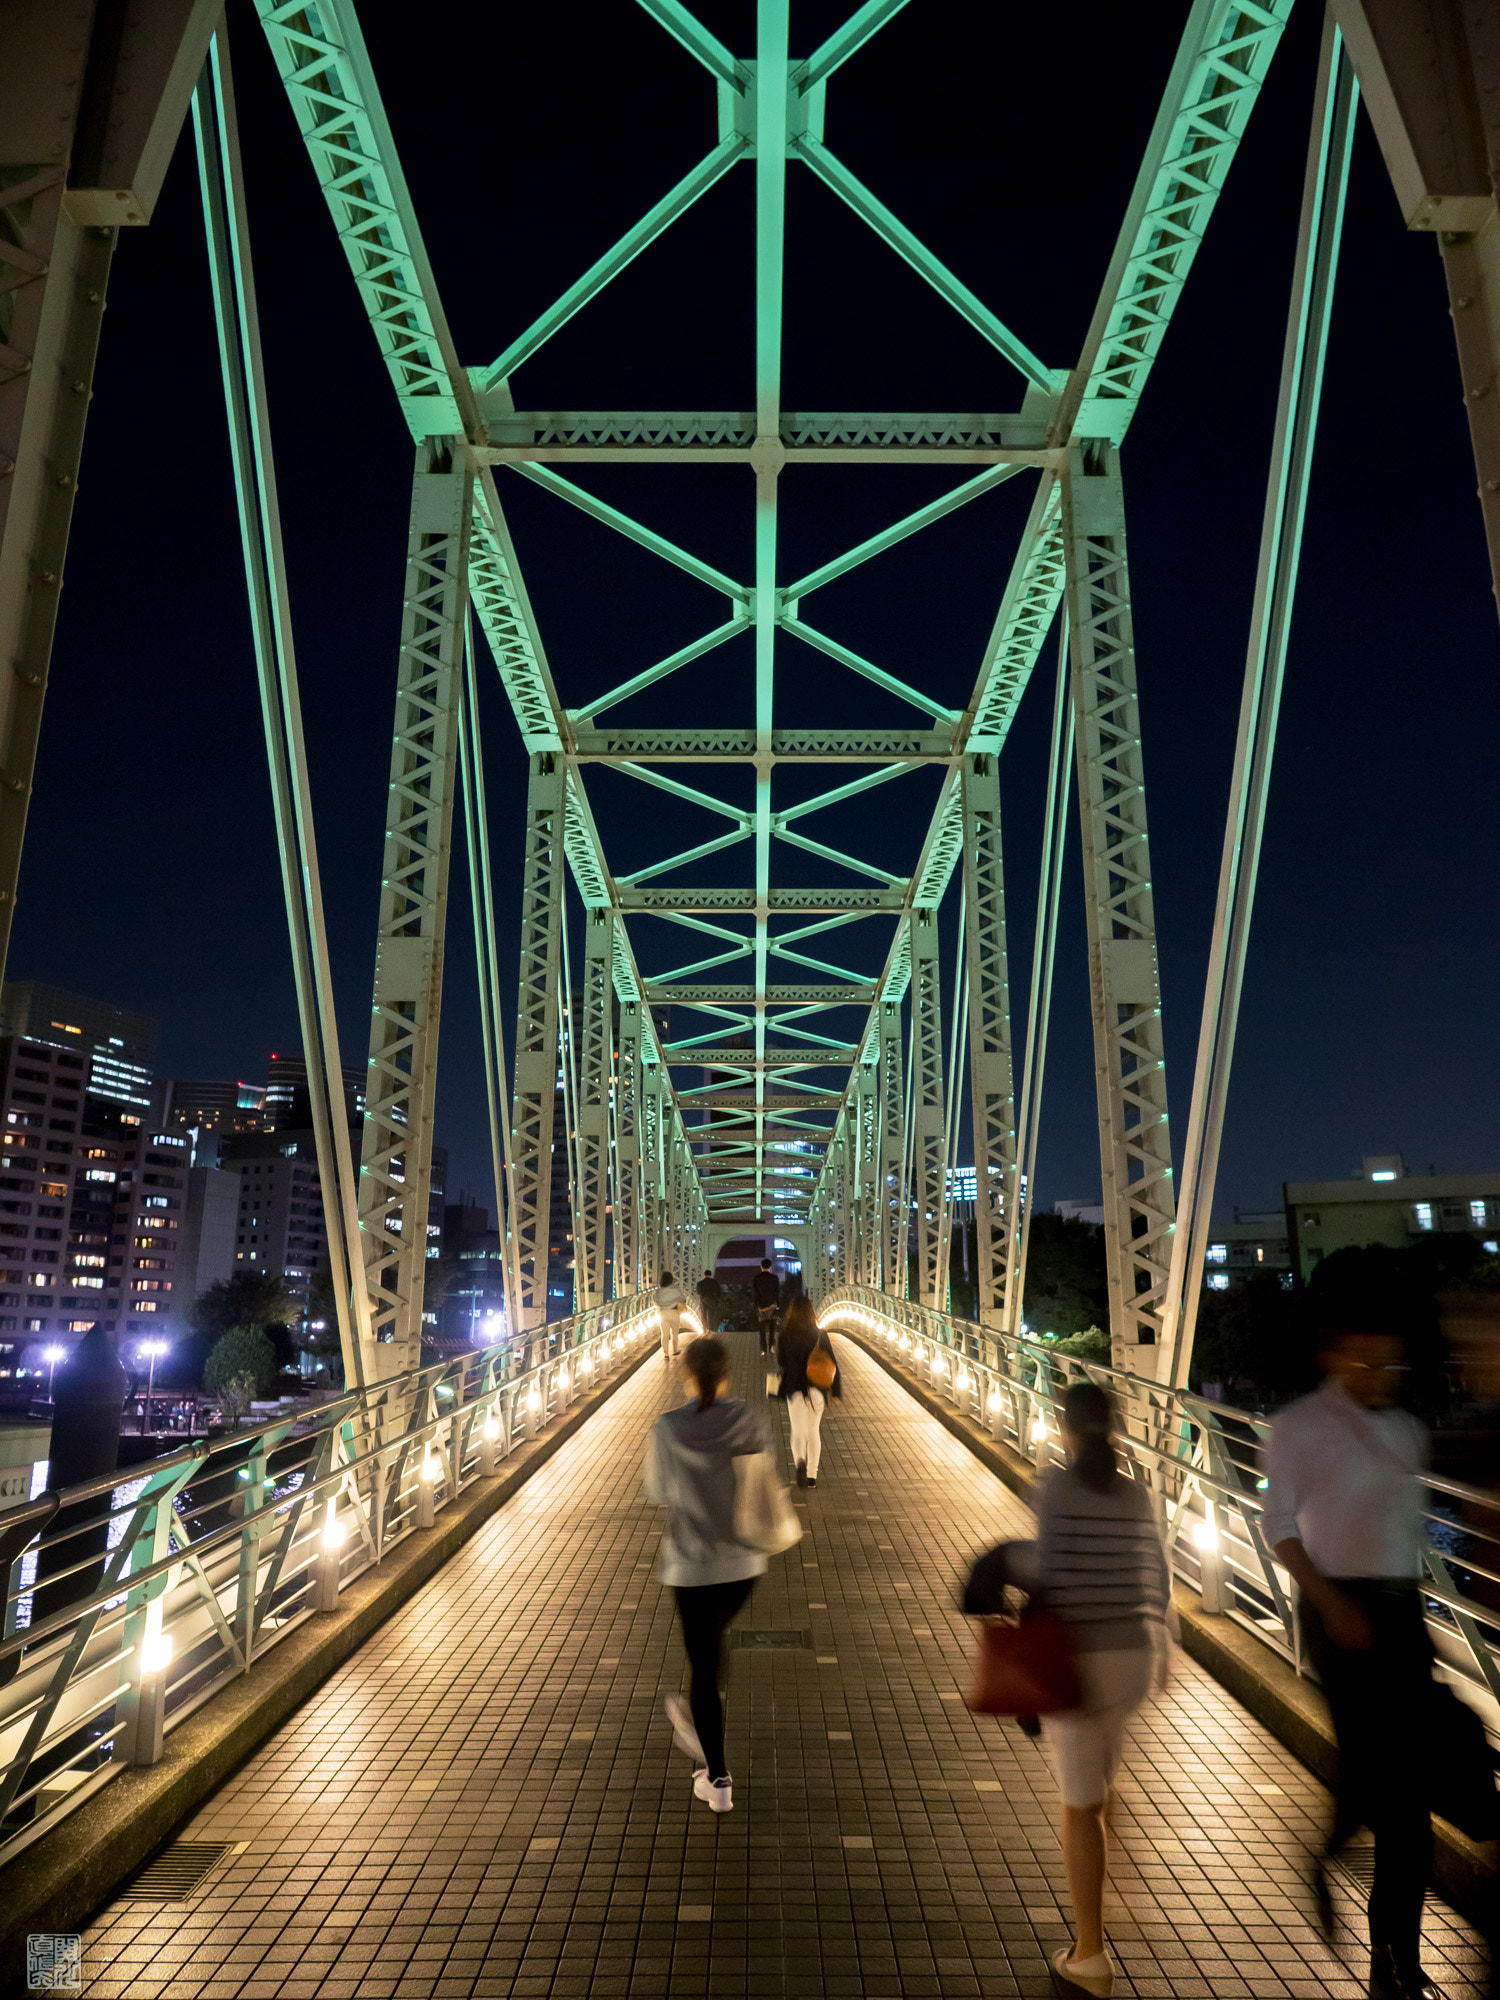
x=690, y=1471
x=765, y=1289
x=1103, y=1571
x=710, y=1301
x=670, y=1300
x=1344, y=1518
x=806, y=1399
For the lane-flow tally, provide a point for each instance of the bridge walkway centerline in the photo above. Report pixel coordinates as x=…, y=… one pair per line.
x=484, y=1801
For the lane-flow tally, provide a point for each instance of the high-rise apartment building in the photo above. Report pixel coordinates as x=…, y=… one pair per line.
x=214, y=1107
x=287, y=1105
x=118, y=1046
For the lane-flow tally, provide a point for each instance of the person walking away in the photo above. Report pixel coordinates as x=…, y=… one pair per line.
x=805, y=1398
x=1344, y=1519
x=690, y=1471
x=710, y=1301
x=670, y=1300
x=1102, y=1569
x=765, y=1288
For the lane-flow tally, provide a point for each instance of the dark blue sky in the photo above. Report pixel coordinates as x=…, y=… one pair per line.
x=150, y=876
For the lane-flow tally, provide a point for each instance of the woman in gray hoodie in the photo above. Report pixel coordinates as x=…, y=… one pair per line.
x=690, y=1471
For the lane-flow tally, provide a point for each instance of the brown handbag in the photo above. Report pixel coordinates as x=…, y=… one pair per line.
x=1026, y=1667
x=821, y=1366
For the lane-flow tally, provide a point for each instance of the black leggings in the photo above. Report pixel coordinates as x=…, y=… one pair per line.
x=706, y=1610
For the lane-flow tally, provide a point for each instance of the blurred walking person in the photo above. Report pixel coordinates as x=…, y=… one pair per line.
x=710, y=1301
x=765, y=1289
x=803, y=1347
x=1102, y=1569
x=670, y=1300
x=1344, y=1518
x=690, y=1471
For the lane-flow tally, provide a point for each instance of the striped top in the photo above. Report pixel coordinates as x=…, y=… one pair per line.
x=1102, y=1562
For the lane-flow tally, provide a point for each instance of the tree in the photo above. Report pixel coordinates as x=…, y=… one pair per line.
x=249, y=1298
x=1090, y=1345
x=241, y=1364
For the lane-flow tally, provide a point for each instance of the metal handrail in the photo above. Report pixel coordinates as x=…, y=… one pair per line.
x=1201, y=1462
x=170, y=1578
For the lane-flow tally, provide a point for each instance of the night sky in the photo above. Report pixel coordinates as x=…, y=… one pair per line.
x=531, y=138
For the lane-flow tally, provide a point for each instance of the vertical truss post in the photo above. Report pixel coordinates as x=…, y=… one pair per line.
x=237, y=322
x=396, y=1157
x=869, y=1169
x=627, y=1194
x=593, y=1108
x=927, y=1102
x=1039, y=1001
x=1130, y=1076
x=1324, y=188
x=991, y=1082
x=536, y=1030
x=651, y=1188
x=890, y=1277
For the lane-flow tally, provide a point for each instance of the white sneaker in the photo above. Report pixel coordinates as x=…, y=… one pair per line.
x=718, y=1797
x=686, y=1737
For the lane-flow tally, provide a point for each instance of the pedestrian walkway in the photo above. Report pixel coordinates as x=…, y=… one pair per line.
x=485, y=1800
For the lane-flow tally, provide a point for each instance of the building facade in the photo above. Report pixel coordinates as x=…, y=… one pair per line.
x=1396, y=1209
x=1252, y=1242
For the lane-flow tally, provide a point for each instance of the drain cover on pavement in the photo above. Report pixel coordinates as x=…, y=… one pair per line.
x=764, y=1641
x=180, y=1870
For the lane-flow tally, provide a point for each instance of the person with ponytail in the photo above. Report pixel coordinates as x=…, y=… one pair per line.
x=690, y=1472
x=1103, y=1571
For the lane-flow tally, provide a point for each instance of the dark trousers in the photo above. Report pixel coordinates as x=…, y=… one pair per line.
x=706, y=1610
x=1378, y=1701
x=767, y=1317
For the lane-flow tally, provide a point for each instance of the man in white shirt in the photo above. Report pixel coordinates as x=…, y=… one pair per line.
x=1344, y=1516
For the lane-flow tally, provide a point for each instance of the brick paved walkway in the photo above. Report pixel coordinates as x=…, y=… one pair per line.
x=485, y=1800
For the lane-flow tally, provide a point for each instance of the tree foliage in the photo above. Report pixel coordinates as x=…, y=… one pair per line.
x=241, y=1363
x=249, y=1298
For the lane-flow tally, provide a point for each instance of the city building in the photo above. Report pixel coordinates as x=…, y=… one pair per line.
x=210, y=1225
x=1387, y=1205
x=472, y=1313
x=118, y=1046
x=287, y=1106
x=1081, y=1211
x=212, y=1108
x=1255, y=1240
x=279, y=1224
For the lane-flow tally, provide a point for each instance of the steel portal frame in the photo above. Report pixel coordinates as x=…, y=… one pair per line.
x=794, y=1126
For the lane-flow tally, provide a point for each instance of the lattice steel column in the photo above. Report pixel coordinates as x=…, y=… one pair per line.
x=396, y=1158
x=627, y=1182
x=1135, y=1153
x=591, y=1196
x=892, y=1147
x=927, y=1102
x=651, y=1175
x=990, y=1079
x=869, y=1212
x=536, y=1031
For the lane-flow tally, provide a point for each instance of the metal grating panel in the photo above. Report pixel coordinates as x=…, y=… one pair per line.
x=750, y=1640
x=182, y=1870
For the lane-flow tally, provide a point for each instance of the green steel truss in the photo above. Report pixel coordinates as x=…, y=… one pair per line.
x=762, y=1122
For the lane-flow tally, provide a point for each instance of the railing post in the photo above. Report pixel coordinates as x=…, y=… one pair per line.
x=247, y=1503
x=1210, y=1545
x=427, y=1483
x=328, y=1561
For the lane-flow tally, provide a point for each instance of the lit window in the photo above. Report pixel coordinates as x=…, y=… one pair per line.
x=1477, y=1213
x=1383, y=1174
x=1218, y=1253
x=1422, y=1210
x=79, y=1259
x=1218, y=1281
x=89, y=1284
x=1260, y=1253
x=100, y=1174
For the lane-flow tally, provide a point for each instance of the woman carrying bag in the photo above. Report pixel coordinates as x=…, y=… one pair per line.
x=711, y=1464
x=1104, y=1575
x=809, y=1376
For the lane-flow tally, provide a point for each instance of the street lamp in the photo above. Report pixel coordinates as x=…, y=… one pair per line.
x=52, y=1355
x=151, y=1349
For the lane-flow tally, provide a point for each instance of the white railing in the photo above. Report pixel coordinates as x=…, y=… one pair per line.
x=1203, y=1463
x=134, y=1598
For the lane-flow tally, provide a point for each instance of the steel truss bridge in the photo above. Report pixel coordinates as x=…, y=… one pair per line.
x=831, y=1109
